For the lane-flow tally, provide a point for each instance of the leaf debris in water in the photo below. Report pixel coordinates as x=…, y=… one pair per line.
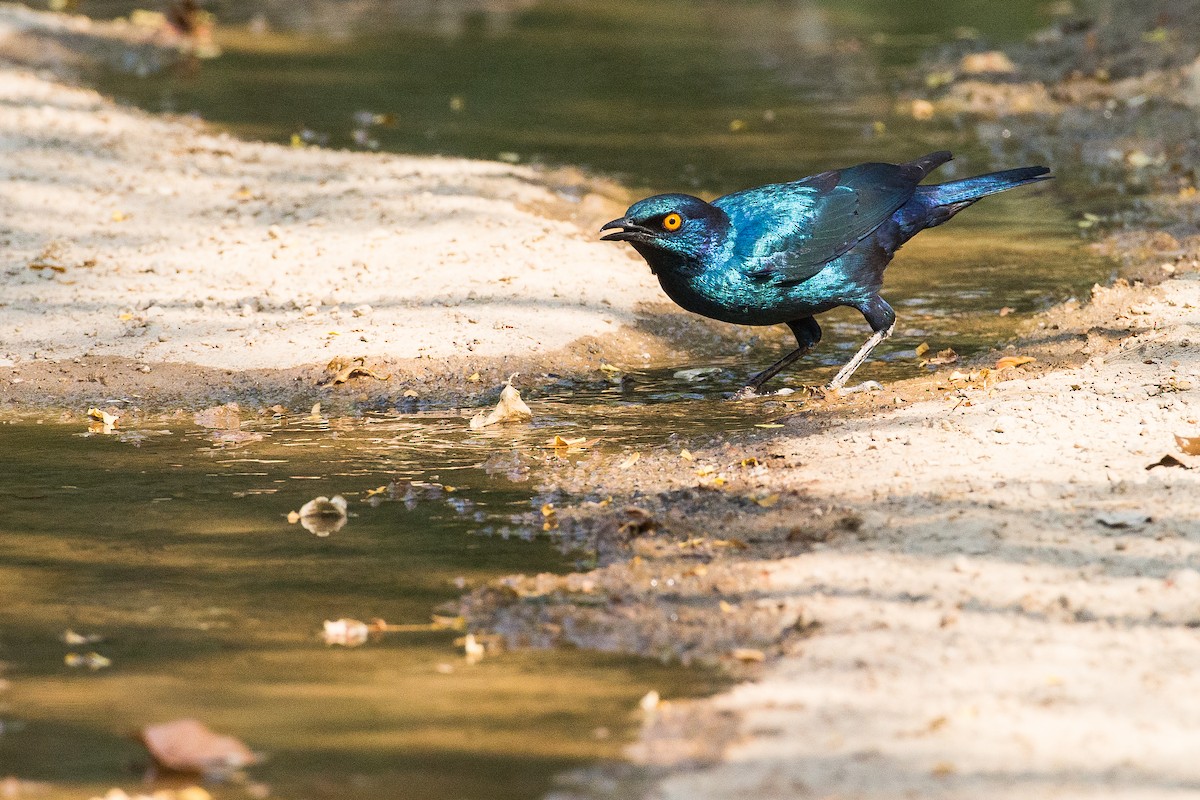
x=322, y=515
x=511, y=408
x=102, y=421
x=92, y=661
x=223, y=418
x=187, y=745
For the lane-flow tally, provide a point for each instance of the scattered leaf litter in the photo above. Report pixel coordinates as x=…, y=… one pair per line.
x=511, y=408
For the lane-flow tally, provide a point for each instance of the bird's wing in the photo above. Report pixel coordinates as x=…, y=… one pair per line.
x=788, y=232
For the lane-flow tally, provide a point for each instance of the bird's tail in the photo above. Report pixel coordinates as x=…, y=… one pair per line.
x=971, y=189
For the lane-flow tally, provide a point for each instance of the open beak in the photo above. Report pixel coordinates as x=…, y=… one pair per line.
x=630, y=231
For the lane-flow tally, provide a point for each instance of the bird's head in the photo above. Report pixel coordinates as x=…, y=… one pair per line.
x=671, y=231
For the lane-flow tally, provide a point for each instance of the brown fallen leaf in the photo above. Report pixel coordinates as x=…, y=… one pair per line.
x=1014, y=361
x=562, y=445
x=947, y=356
x=748, y=655
x=225, y=418
x=187, y=745
x=1168, y=461
x=1190, y=445
x=511, y=408
x=346, y=373
x=922, y=349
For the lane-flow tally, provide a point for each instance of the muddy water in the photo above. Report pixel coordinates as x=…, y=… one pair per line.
x=177, y=552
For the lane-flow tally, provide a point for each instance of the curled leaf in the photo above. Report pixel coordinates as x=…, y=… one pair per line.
x=511, y=408
x=102, y=421
x=322, y=515
x=1014, y=361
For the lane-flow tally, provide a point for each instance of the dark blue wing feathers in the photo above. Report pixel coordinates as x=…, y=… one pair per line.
x=788, y=232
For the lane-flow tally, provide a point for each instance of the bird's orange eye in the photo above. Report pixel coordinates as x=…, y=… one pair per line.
x=672, y=221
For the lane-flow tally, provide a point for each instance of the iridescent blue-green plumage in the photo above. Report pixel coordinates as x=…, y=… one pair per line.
x=785, y=252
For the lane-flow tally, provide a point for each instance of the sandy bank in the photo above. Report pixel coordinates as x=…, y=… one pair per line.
x=156, y=258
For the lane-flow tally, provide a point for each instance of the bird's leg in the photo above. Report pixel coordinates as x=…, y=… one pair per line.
x=807, y=333
x=882, y=320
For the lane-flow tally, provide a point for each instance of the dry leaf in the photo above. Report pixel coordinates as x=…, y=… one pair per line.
x=560, y=444
x=511, y=408
x=1168, y=461
x=1014, y=361
x=226, y=418
x=346, y=632
x=102, y=421
x=1190, y=445
x=768, y=501
x=1124, y=519
x=922, y=349
x=947, y=356
x=187, y=745
x=346, y=373
x=322, y=515
x=748, y=655
x=629, y=462
x=92, y=661
x=472, y=649
x=686, y=454
x=74, y=639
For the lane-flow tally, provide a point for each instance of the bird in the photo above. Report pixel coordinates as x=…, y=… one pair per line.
x=785, y=252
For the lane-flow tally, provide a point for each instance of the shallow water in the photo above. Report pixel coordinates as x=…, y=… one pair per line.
x=178, y=550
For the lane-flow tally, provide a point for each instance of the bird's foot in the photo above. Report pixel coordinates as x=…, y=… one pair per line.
x=865, y=386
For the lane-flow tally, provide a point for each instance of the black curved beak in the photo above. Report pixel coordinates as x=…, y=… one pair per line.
x=630, y=231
